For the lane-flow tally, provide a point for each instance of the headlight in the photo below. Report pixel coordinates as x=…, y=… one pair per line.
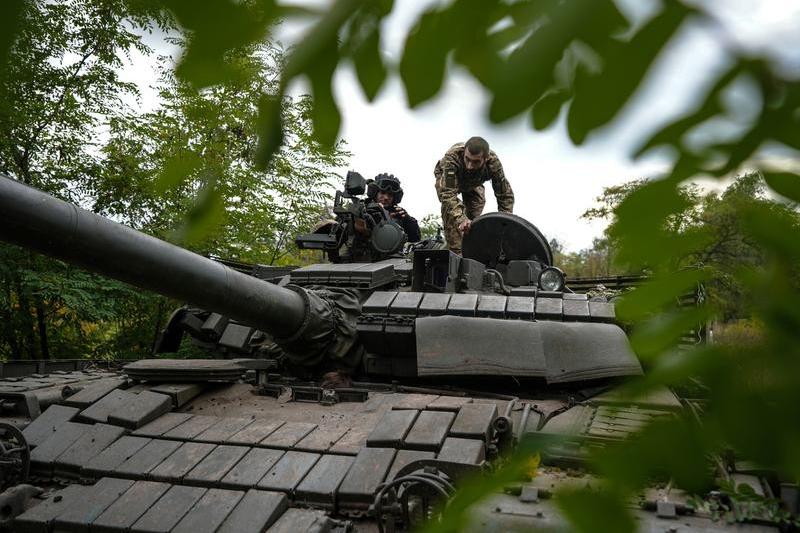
x=551, y=279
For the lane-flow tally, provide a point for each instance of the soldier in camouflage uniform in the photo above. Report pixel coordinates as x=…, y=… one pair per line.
x=464, y=169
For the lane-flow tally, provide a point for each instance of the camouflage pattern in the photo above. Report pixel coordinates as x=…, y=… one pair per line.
x=452, y=179
x=328, y=337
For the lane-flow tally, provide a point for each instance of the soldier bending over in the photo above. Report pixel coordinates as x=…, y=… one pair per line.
x=464, y=169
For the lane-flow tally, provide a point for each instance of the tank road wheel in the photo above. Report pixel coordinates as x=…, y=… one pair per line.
x=15, y=456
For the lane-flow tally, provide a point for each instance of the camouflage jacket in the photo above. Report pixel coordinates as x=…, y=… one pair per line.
x=453, y=179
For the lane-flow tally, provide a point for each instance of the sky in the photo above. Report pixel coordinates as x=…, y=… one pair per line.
x=554, y=182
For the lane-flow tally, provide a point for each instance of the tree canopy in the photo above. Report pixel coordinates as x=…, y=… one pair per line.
x=69, y=125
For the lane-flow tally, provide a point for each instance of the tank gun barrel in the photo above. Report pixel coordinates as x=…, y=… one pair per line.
x=36, y=220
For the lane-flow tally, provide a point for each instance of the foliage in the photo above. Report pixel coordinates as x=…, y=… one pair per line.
x=83, y=315
x=741, y=503
x=67, y=128
x=593, y=262
x=430, y=226
x=60, y=81
x=522, y=464
x=542, y=59
x=195, y=154
x=711, y=223
x=743, y=332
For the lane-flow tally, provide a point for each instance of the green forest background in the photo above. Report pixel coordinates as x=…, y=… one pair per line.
x=232, y=167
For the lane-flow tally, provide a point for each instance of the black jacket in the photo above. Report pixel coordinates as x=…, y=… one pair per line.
x=408, y=223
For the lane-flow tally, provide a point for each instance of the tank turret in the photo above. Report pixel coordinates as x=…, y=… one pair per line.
x=500, y=310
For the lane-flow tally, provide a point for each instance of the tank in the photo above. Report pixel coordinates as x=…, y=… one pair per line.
x=449, y=362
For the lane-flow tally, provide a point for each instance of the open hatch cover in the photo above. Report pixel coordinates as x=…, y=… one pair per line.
x=497, y=238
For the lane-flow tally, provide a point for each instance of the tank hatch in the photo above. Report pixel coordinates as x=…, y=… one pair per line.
x=498, y=238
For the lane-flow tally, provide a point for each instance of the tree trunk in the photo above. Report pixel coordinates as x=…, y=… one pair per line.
x=159, y=320
x=7, y=316
x=27, y=323
x=42, y=325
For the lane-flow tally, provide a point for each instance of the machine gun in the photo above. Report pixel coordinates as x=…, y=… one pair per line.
x=362, y=232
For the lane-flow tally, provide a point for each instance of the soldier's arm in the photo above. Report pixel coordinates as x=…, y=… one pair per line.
x=501, y=186
x=447, y=190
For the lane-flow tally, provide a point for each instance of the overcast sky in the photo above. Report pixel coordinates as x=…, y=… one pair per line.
x=554, y=182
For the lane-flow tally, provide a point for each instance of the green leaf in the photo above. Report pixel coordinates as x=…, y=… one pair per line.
x=526, y=12
x=641, y=223
x=269, y=128
x=599, y=98
x=474, y=47
x=317, y=56
x=668, y=447
x=659, y=292
x=455, y=516
x=206, y=215
x=369, y=65
x=505, y=37
x=545, y=111
x=299, y=11
x=317, y=41
x=425, y=57
x=742, y=149
x=595, y=511
x=786, y=184
x=673, y=133
x=437, y=33
x=776, y=230
x=528, y=72
x=10, y=25
x=676, y=368
x=177, y=170
x=666, y=330
x=480, y=59
x=220, y=26
x=325, y=112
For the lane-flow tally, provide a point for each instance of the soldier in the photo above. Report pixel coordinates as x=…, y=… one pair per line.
x=464, y=169
x=386, y=190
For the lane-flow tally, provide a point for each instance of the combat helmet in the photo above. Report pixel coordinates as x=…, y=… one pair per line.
x=385, y=183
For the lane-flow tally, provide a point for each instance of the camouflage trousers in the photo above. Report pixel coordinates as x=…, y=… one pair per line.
x=474, y=201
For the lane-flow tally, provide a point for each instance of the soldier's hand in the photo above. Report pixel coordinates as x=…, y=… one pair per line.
x=464, y=226
x=399, y=212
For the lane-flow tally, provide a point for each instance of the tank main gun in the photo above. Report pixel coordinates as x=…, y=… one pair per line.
x=36, y=220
